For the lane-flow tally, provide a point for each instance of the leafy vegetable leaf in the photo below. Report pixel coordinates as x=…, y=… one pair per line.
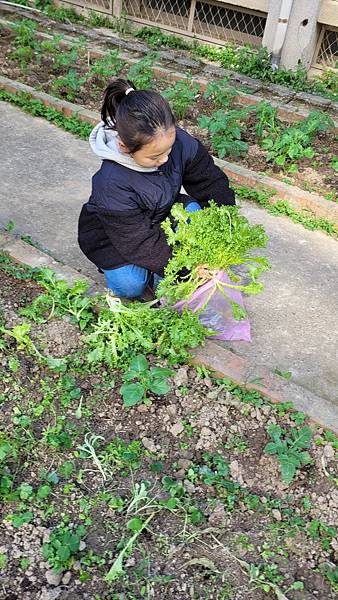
x=132, y=393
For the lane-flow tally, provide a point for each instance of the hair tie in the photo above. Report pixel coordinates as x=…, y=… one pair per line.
x=128, y=91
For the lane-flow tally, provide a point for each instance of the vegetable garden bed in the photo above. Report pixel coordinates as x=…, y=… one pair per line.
x=303, y=154
x=205, y=491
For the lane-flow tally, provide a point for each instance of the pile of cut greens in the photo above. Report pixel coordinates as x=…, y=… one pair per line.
x=204, y=242
x=123, y=330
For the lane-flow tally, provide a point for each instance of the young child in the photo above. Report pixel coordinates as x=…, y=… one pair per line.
x=146, y=161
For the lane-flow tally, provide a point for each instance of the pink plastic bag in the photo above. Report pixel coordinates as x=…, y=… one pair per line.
x=217, y=315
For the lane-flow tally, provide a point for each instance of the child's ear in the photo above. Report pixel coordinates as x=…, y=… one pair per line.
x=122, y=147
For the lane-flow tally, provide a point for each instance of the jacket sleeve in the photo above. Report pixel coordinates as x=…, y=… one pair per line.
x=136, y=239
x=204, y=181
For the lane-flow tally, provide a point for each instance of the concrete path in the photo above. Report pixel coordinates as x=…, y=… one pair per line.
x=46, y=177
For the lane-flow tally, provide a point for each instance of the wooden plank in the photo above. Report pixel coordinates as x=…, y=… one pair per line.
x=329, y=13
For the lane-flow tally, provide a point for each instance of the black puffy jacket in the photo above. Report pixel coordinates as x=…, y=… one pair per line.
x=121, y=222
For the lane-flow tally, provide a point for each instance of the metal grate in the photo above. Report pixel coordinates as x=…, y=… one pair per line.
x=222, y=22
x=328, y=50
x=172, y=13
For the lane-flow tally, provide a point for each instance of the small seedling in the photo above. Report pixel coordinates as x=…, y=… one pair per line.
x=10, y=226
x=181, y=96
x=334, y=163
x=63, y=547
x=284, y=374
x=3, y=561
x=153, y=380
x=221, y=93
x=141, y=73
x=289, y=449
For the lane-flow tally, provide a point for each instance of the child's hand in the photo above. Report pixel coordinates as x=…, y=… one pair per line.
x=205, y=273
x=202, y=271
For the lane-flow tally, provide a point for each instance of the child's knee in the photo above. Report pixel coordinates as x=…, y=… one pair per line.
x=127, y=282
x=134, y=290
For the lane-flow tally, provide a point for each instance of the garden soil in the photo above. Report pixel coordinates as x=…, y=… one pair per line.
x=200, y=445
x=46, y=177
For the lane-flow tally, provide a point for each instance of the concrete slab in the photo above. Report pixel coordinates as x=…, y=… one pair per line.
x=46, y=175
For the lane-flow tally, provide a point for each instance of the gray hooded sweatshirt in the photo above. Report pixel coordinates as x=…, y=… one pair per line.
x=103, y=141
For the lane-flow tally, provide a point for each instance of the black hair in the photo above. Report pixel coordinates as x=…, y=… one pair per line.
x=136, y=116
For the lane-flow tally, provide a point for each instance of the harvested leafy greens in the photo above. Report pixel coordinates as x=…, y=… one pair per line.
x=123, y=330
x=204, y=242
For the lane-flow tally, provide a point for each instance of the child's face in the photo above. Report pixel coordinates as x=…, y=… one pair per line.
x=156, y=153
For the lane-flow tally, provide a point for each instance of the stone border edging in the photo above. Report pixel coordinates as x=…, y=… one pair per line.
x=285, y=93
x=225, y=363
x=24, y=253
x=298, y=198
x=221, y=362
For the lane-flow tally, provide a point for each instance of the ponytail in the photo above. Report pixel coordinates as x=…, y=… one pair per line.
x=136, y=115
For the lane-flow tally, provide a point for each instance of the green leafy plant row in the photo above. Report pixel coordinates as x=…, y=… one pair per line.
x=246, y=60
x=256, y=63
x=36, y=108
x=283, y=208
x=285, y=144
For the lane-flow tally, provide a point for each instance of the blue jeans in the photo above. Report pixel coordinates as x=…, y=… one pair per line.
x=130, y=281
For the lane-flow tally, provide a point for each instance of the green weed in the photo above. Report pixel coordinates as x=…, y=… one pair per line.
x=35, y=107
x=63, y=547
x=289, y=449
x=157, y=38
x=226, y=129
x=283, y=208
x=257, y=64
x=117, y=456
x=141, y=73
x=317, y=530
x=181, y=96
x=154, y=380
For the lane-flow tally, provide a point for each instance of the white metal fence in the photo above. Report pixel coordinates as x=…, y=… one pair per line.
x=214, y=21
x=206, y=20
x=326, y=54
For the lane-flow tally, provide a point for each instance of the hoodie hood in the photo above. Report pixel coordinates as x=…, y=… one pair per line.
x=103, y=142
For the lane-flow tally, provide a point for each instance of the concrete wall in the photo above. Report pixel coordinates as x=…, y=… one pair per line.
x=301, y=34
